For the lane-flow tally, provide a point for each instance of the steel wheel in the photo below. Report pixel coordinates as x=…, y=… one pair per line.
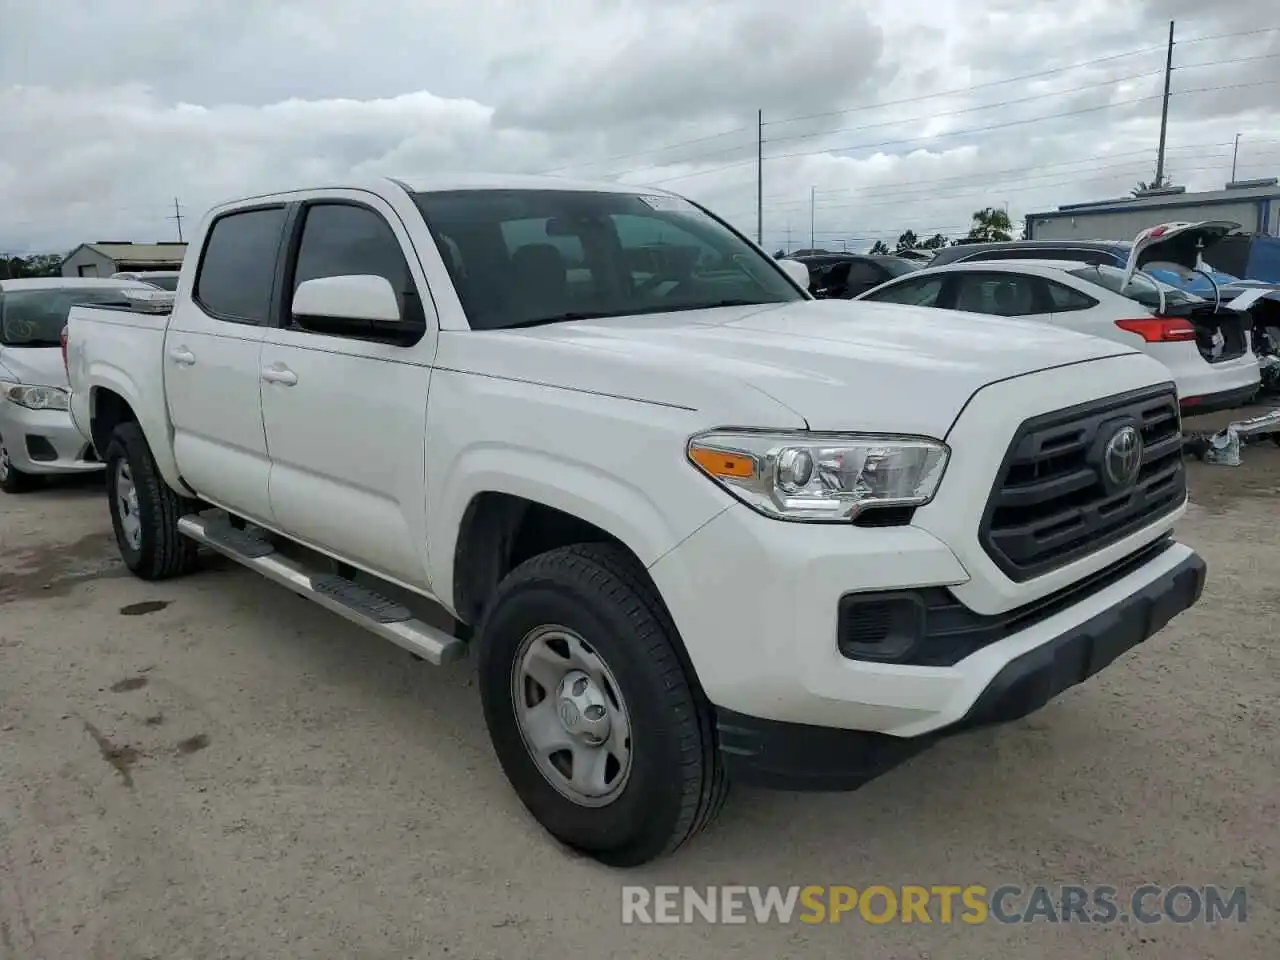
x=127, y=503
x=571, y=716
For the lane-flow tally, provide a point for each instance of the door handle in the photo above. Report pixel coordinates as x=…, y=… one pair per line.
x=278, y=373
x=182, y=355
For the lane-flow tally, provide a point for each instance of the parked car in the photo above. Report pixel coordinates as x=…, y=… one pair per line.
x=37, y=437
x=842, y=276
x=696, y=525
x=1205, y=348
x=164, y=279
x=1173, y=253
x=1176, y=255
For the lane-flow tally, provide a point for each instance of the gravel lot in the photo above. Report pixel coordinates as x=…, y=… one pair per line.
x=213, y=768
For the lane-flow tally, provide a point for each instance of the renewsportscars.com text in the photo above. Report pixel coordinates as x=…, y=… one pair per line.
x=935, y=904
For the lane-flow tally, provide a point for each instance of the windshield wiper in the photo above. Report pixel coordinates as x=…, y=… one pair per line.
x=556, y=318
x=638, y=311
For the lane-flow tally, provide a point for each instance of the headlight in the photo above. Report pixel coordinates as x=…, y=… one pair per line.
x=827, y=477
x=34, y=398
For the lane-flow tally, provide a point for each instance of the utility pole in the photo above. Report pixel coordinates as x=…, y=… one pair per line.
x=1234, y=154
x=812, y=242
x=760, y=177
x=788, y=236
x=177, y=215
x=1164, y=109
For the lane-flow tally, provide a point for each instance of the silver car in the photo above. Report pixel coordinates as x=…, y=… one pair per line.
x=37, y=437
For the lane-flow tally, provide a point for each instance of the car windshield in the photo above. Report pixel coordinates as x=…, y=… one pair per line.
x=35, y=318
x=1141, y=289
x=527, y=257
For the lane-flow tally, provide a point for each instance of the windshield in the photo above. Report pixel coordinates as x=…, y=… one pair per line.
x=35, y=318
x=524, y=257
x=1141, y=289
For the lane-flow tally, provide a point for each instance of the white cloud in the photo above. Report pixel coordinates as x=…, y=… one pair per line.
x=106, y=118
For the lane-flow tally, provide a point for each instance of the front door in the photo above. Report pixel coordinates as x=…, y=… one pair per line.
x=211, y=362
x=345, y=411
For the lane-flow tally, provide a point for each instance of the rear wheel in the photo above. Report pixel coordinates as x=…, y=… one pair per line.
x=605, y=737
x=13, y=480
x=145, y=510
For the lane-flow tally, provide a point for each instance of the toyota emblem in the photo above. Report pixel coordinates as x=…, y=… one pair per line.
x=1122, y=457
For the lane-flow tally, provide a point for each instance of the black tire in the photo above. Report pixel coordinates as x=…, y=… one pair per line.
x=13, y=480
x=163, y=552
x=677, y=782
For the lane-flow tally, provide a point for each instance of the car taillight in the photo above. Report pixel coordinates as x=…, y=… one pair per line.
x=63, y=341
x=1160, y=329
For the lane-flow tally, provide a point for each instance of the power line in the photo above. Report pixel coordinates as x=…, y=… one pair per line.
x=958, y=133
x=958, y=90
x=917, y=99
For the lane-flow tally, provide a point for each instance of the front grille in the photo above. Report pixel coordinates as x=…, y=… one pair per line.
x=1052, y=502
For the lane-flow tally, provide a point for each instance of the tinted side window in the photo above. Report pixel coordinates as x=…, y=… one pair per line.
x=866, y=275
x=340, y=239
x=999, y=294
x=918, y=293
x=1064, y=299
x=238, y=266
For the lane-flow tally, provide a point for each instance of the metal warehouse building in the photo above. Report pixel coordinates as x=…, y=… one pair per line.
x=1254, y=204
x=106, y=257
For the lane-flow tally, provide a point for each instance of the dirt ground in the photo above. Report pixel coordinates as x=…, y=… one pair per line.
x=213, y=768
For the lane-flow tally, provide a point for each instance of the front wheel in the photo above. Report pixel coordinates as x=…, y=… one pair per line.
x=598, y=726
x=145, y=510
x=13, y=480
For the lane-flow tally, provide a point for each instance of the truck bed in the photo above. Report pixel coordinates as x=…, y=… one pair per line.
x=126, y=349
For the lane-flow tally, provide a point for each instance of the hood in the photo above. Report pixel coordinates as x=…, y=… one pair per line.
x=1181, y=243
x=825, y=364
x=41, y=366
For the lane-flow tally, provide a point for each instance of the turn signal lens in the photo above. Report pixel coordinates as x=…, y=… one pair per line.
x=1160, y=329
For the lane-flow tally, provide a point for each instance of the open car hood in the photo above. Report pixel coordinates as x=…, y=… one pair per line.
x=1179, y=242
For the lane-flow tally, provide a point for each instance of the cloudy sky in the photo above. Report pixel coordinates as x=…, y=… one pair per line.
x=894, y=114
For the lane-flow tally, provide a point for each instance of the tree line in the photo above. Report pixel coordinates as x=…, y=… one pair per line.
x=37, y=265
x=990, y=224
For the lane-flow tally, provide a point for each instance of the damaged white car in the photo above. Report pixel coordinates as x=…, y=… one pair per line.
x=1204, y=342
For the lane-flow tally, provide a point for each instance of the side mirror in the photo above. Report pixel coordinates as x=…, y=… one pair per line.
x=796, y=270
x=358, y=297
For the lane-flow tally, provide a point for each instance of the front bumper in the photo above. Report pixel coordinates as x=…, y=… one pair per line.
x=795, y=756
x=45, y=441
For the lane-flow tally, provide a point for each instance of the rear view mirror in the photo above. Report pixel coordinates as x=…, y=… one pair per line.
x=796, y=270
x=352, y=297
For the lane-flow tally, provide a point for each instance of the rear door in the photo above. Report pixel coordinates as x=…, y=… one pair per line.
x=345, y=409
x=211, y=361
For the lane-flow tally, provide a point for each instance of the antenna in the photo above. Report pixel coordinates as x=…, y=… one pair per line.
x=177, y=216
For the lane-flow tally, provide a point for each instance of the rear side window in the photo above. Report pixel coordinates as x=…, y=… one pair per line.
x=921, y=292
x=997, y=294
x=1064, y=299
x=238, y=267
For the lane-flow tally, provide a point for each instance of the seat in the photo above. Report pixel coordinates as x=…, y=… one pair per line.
x=541, y=280
x=1006, y=299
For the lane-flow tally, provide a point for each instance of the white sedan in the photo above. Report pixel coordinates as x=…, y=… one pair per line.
x=1206, y=348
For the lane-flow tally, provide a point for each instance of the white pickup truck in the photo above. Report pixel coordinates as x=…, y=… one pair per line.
x=697, y=525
